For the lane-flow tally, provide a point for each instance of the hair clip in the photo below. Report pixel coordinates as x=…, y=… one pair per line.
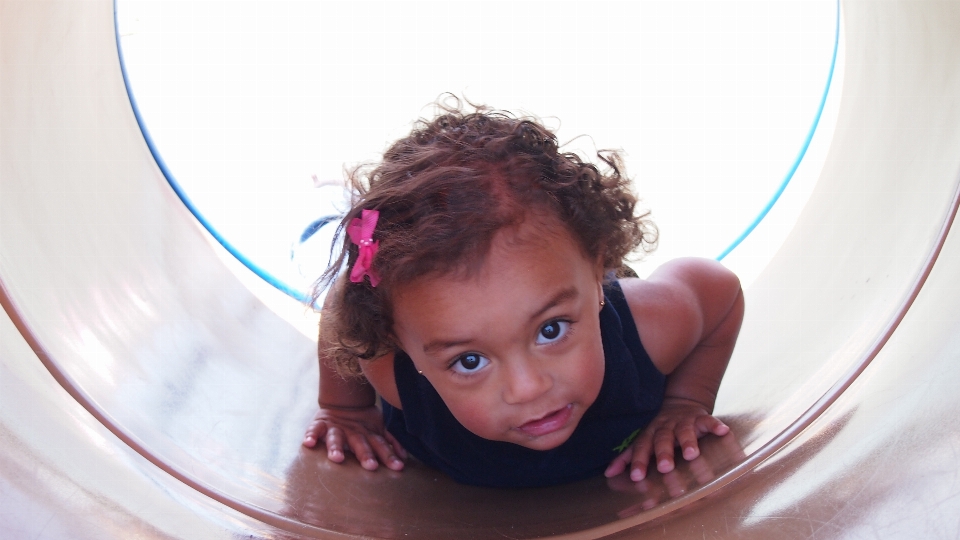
x=360, y=231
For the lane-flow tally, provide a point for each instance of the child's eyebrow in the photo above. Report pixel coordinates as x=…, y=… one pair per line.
x=439, y=345
x=559, y=298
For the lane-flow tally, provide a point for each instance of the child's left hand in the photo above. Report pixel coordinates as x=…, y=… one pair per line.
x=688, y=314
x=680, y=422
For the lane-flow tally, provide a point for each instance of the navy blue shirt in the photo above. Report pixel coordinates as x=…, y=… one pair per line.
x=630, y=397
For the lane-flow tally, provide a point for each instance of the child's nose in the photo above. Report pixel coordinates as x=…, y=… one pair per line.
x=525, y=382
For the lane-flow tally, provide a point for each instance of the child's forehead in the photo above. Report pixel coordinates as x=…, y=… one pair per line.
x=537, y=240
x=523, y=272
x=537, y=228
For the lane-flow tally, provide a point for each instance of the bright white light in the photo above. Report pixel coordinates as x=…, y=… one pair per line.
x=710, y=101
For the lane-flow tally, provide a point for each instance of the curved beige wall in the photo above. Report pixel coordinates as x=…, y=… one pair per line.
x=147, y=392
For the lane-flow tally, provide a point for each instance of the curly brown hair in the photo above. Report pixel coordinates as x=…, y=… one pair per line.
x=445, y=190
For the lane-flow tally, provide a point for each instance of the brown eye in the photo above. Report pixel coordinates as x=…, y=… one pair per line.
x=552, y=331
x=469, y=363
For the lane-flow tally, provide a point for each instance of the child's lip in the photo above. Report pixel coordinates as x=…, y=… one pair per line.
x=549, y=423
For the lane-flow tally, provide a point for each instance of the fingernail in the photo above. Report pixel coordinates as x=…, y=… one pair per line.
x=637, y=475
x=664, y=465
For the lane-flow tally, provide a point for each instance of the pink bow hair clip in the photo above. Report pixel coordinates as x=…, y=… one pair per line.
x=360, y=231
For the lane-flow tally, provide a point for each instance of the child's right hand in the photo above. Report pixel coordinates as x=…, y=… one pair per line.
x=360, y=431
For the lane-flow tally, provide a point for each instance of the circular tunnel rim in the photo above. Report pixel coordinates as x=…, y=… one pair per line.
x=305, y=298
x=752, y=461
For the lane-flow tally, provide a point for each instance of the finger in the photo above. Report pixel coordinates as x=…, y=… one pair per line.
x=654, y=496
x=647, y=493
x=619, y=463
x=711, y=424
x=361, y=449
x=315, y=431
x=397, y=447
x=674, y=484
x=732, y=451
x=622, y=483
x=687, y=437
x=334, y=444
x=663, y=445
x=702, y=471
x=642, y=449
x=385, y=452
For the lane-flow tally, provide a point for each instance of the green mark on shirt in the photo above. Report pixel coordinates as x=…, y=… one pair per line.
x=626, y=442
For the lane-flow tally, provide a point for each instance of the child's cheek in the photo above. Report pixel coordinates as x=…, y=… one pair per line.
x=475, y=414
x=590, y=374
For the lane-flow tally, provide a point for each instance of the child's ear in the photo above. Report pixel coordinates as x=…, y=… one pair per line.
x=599, y=270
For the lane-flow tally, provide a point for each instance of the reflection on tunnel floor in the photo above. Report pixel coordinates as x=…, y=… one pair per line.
x=138, y=316
x=420, y=502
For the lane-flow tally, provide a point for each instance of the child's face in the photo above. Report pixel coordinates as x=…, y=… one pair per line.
x=515, y=350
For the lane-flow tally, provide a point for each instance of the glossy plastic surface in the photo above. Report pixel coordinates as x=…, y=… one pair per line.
x=147, y=392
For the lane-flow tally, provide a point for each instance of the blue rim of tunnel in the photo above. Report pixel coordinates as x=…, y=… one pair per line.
x=302, y=296
x=803, y=149
x=276, y=282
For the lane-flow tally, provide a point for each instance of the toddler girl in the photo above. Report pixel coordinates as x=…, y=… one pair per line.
x=479, y=301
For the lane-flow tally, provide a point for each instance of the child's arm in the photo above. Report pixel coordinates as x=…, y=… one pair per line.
x=688, y=314
x=348, y=418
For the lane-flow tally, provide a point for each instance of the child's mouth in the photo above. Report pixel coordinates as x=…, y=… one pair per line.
x=549, y=423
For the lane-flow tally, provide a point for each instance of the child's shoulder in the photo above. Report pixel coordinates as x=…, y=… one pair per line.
x=379, y=372
x=674, y=305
